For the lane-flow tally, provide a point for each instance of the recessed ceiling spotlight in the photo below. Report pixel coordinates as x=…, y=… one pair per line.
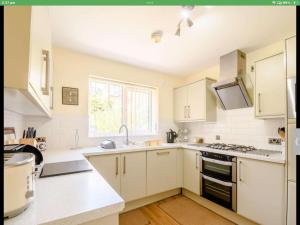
x=156, y=36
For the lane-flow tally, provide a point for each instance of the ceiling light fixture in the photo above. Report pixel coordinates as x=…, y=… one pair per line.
x=156, y=36
x=189, y=22
x=185, y=14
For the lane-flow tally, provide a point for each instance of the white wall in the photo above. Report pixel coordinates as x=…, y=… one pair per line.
x=72, y=69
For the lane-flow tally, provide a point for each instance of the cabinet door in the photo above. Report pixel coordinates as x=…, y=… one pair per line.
x=191, y=171
x=161, y=171
x=180, y=104
x=291, y=57
x=291, y=152
x=133, y=175
x=291, y=210
x=197, y=100
x=109, y=167
x=260, y=189
x=40, y=74
x=270, y=87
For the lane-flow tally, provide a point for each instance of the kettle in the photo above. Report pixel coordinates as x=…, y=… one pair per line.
x=171, y=136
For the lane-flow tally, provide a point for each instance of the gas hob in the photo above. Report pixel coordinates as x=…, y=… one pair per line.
x=231, y=147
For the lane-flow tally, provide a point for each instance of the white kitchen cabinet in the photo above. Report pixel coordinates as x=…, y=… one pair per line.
x=291, y=152
x=109, y=167
x=179, y=162
x=28, y=60
x=161, y=171
x=133, y=175
x=291, y=209
x=191, y=170
x=126, y=173
x=290, y=45
x=180, y=104
x=261, y=191
x=270, y=87
x=195, y=102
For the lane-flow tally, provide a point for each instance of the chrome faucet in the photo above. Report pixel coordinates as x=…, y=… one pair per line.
x=126, y=128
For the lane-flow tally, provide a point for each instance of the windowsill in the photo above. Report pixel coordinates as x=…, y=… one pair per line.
x=122, y=135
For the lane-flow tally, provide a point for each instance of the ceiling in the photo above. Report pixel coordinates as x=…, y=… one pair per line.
x=122, y=33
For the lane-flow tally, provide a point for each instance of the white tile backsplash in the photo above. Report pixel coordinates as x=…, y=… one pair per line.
x=12, y=119
x=237, y=127
x=60, y=131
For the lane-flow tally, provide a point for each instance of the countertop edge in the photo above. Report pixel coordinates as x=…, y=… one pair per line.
x=87, y=216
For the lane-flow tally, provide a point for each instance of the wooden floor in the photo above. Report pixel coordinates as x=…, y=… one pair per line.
x=177, y=210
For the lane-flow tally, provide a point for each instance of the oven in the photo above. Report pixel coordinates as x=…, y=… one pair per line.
x=218, y=179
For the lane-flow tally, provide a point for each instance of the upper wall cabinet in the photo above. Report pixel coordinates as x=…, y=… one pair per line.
x=270, y=87
x=195, y=102
x=27, y=60
x=290, y=45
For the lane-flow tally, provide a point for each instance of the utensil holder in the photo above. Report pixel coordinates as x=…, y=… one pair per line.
x=28, y=141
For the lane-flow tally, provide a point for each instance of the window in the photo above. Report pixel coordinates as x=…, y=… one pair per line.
x=112, y=104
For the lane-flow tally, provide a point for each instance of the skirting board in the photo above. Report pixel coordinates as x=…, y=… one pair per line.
x=150, y=199
x=226, y=213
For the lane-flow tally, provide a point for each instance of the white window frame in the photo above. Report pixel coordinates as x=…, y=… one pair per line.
x=125, y=86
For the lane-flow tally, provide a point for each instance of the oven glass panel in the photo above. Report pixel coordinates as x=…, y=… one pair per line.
x=217, y=170
x=217, y=193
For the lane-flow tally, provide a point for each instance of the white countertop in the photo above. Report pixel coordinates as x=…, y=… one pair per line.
x=274, y=156
x=81, y=197
x=69, y=199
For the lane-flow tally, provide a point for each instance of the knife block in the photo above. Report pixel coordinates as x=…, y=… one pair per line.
x=28, y=141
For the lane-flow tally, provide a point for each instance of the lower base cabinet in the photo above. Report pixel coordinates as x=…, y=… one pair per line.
x=126, y=173
x=261, y=191
x=291, y=209
x=109, y=167
x=133, y=176
x=161, y=171
x=191, y=170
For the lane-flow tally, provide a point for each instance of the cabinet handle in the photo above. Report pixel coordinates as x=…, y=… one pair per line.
x=45, y=87
x=240, y=171
x=124, y=164
x=259, y=102
x=51, y=105
x=117, y=166
x=162, y=153
x=197, y=160
x=189, y=111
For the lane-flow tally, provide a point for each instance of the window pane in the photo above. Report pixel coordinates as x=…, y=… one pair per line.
x=113, y=103
x=105, y=108
x=139, y=111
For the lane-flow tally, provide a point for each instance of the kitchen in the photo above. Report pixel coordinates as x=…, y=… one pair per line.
x=193, y=132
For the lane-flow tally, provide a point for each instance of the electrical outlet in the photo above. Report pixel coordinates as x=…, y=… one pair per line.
x=218, y=137
x=274, y=141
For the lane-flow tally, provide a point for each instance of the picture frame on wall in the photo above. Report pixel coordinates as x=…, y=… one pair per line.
x=70, y=96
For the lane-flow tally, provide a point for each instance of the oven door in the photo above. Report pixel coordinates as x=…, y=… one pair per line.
x=220, y=192
x=222, y=170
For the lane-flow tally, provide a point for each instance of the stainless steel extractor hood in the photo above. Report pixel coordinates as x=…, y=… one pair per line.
x=234, y=88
